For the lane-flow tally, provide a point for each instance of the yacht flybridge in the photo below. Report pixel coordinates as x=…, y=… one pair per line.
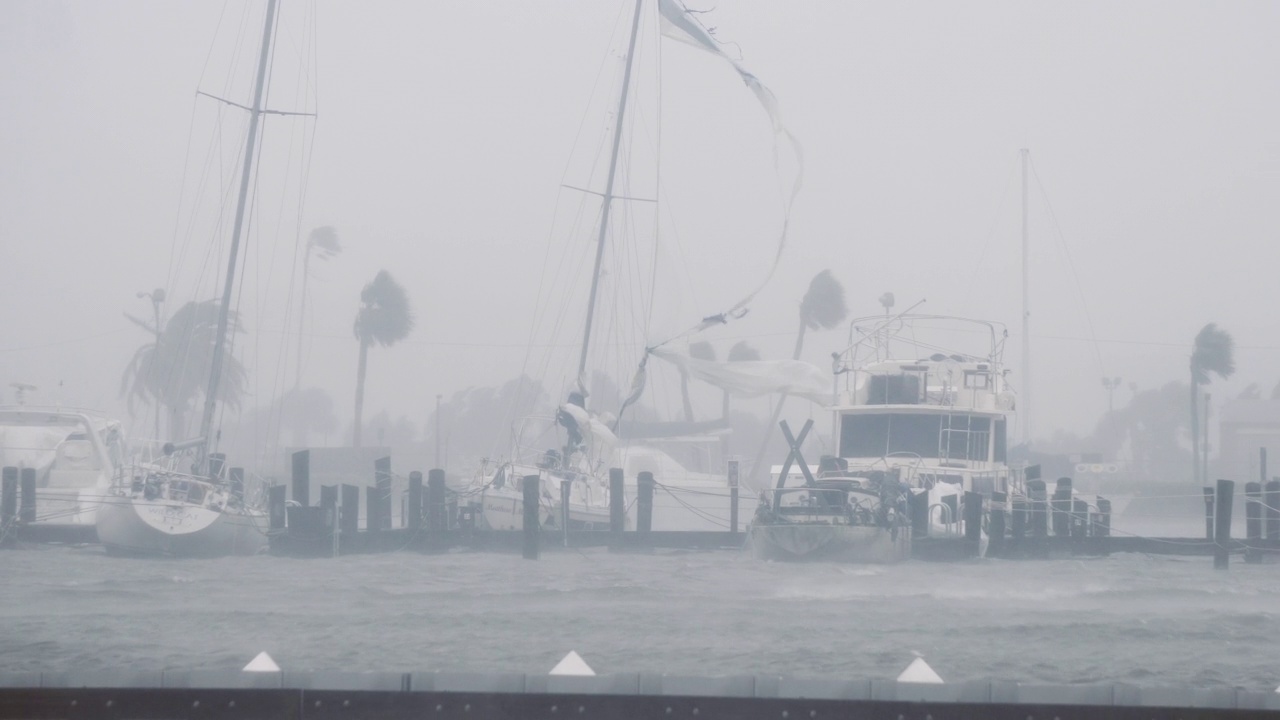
x=937, y=417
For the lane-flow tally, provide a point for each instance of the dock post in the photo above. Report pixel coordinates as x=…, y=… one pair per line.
x=277, y=500
x=329, y=506
x=532, y=528
x=1018, y=526
x=372, y=515
x=1253, y=520
x=1271, y=499
x=437, y=500
x=349, y=513
x=413, y=513
x=918, y=504
x=1079, y=519
x=1208, y=513
x=644, y=502
x=27, y=508
x=1062, y=507
x=1222, y=525
x=973, y=520
x=1039, y=500
x=301, y=477
x=733, y=496
x=566, y=497
x=236, y=478
x=1103, y=527
x=8, y=504
x=382, y=481
x=995, y=526
x=617, y=507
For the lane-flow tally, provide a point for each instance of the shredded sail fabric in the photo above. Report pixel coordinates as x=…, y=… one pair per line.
x=753, y=378
x=679, y=24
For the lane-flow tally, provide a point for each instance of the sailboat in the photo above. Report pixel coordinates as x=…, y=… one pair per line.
x=185, y=503
x=572, y=452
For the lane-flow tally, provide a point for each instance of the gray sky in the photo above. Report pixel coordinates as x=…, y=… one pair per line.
x=446, y=128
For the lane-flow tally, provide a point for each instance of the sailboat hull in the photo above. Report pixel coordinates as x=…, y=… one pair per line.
x=135, y=526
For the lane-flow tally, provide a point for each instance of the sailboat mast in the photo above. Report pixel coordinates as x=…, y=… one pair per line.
x=219, y=347
x=1025, y=403
x=608, y=193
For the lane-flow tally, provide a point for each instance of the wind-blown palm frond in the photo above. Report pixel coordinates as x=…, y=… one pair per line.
x=175, y=371
x=324, y=241
x=385, y=317
x=1214, y=354
x=823, y=306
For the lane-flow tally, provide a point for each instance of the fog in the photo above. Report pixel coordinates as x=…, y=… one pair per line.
x=445, y=131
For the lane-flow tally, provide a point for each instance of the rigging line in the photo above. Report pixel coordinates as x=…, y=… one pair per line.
x=1071, y=264
x=995, y=221
x=533, y=327
x=657, y=185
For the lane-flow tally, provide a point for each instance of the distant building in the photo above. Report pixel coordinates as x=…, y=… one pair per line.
x=1244, y=426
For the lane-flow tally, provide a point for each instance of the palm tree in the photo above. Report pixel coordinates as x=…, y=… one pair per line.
x=1213, y=354
x=173, y=370
x=323, y=243
x=822, y=308
x=384, y=318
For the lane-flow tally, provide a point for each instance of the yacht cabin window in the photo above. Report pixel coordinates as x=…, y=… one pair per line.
x=944, y=436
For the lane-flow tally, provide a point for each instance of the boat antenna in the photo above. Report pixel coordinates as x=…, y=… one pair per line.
x=224, y=311
x=608, y=198
x=1025, y=401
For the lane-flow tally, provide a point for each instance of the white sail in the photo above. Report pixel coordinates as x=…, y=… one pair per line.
x=753, y=378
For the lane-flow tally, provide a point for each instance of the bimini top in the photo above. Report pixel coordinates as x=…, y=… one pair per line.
x=923, y=360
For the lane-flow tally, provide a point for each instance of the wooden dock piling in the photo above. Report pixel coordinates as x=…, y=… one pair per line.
x=1271, y=498
x=349, y=512
x=1038, y=497
x=1208, y=513
x=644, y=502
x=382, y=485
x=1253, y=521
x=413, y=513
x=1018, y=523
x=532, y=524
x=972, y=520
x=8, y=505
x=438, y=520
x=1062, y=507
x=732, y=467
x=27, y=507
x=996, y=525
x=918, y=506
x=1079, y=519
x=1222, y=524
x=566, y=496
x=1102, y=527
x=277, y=501
x=329, y=506
x=301, y=477
x=617, y=502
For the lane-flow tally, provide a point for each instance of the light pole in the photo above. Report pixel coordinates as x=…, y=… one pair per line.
x=437, y=463
x=1111, y=384
x=157, y=297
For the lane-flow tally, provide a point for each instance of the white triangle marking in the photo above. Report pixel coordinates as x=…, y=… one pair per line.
x=572, y=664
x=920, y=672
x=262, y=663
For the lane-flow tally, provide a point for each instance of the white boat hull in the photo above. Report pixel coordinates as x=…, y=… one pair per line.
x=832, y=543
x=136, y=526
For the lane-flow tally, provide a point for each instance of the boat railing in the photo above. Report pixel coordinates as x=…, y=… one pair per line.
x=946, y=518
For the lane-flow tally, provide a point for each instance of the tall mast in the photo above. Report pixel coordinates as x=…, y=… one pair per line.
x=219, y=347
x=1026, y=312
x=608, y=193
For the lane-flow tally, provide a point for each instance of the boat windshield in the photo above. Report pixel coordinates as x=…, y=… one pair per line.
x=946, y=436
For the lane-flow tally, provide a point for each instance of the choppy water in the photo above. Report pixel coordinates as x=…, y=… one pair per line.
x=1146, y=620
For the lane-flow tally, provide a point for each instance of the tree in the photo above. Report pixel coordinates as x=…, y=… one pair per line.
x=822, y=308
x=1213, y=354
x=173, y=371
x=384, y=319
x=323, y=243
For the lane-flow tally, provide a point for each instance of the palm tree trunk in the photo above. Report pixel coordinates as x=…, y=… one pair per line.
x=1195, y=431
x=360, y=370
x=757, y=465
